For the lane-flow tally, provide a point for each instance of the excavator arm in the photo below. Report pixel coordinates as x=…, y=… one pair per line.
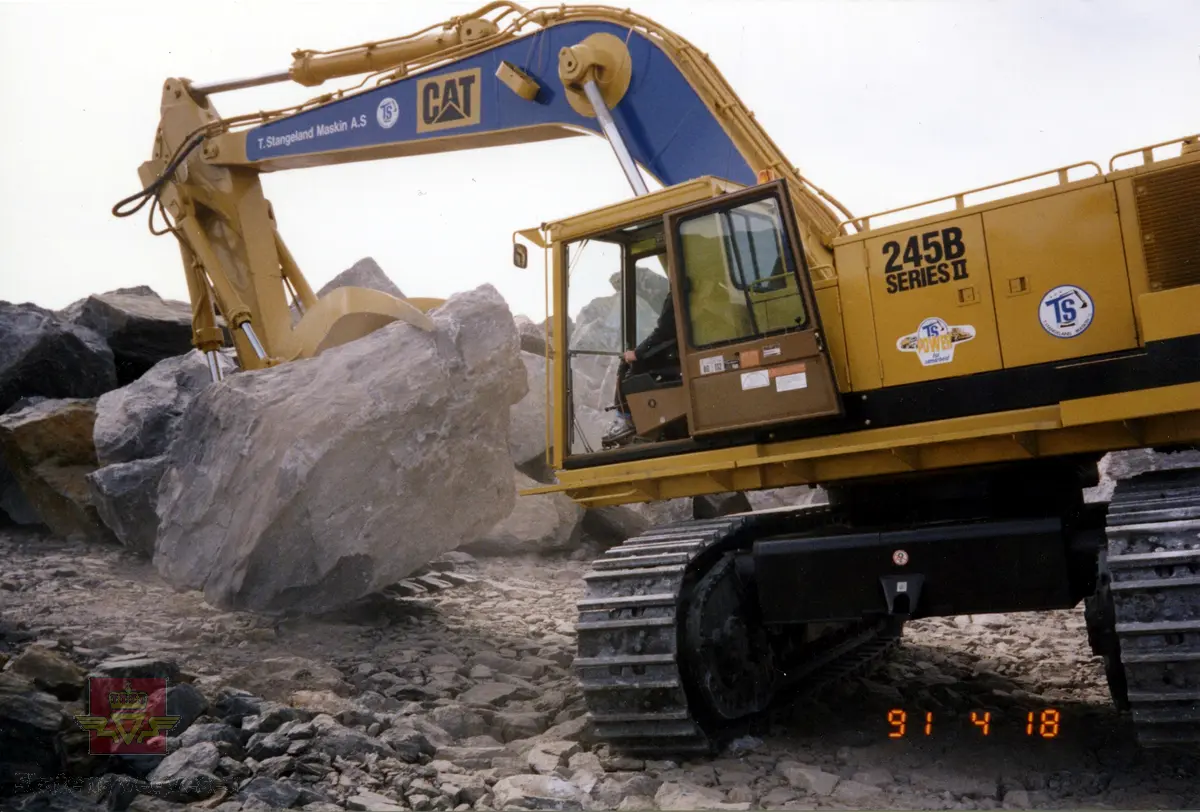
x=502, y=75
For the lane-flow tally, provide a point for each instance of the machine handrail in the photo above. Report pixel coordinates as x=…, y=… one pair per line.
x=958, y=197
x=1148, y=151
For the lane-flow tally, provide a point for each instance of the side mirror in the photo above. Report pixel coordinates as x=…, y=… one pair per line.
x=520, y=256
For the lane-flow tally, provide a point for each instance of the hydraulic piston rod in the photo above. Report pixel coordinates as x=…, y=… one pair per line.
x=252, y=337
x=239, y=84
x=609, y=127
x=311, y=68
x=214, y=365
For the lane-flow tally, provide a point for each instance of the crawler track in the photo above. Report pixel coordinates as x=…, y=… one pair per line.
x=642, y=683
x=1153, y=559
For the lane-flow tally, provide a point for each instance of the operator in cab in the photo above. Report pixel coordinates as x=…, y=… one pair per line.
x=658, y=351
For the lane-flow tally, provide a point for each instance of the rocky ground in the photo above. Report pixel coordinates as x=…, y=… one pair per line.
x=463, y=699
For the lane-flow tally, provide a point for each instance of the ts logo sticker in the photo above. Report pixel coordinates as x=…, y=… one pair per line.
x=934, y=341
x=387, y=113
x=1066, y=311
x=448, y=101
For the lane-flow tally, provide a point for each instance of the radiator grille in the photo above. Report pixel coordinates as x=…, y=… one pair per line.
x=1168, y=205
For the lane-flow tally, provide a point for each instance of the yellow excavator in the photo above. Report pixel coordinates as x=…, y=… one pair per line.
x=951, y=379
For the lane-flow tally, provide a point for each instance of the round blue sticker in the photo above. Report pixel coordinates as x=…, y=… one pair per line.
x=1066, y=311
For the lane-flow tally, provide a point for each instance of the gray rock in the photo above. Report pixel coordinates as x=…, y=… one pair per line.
x=141, y=419
x=533, y=336
x=664, y=511
x=343, y=742
x=514, y=725
x=281, y=490
x=680, y=795
x=125, y=496
x=710, y=506
x=547, y=756
x=651, y=284
x=277, y=794
x=234, y=704
x=30, y=723
x=365, y=273
x=277, y=766
x=263, y=746
x=48, y=450
x=459, y=721
x=578, y=729
x=778, y=797
x=140, y=327
x=49, y=671
x=274, y=716
x=808, y=778
x=214, y=732
x=543, y=792
x=466, y=789
x=545, y=523
x=1017, y=799
x=202, y=757
x=277, y=678
x=138, y=665
x=43, y=355
x=372, y=802
x=609, y=526
x=488, y=693
x=857, y=794
x=794, y=496
x=875, y=777
x=408, y=744
x=472, y=757
x=13, y=502
x=527, y=418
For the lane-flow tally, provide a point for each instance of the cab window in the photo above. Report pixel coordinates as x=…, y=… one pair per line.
x=741, y=280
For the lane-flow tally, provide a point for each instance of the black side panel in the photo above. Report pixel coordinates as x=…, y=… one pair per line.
x=954, y=569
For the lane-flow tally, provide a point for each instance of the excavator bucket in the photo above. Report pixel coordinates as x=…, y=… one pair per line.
x=344, y=314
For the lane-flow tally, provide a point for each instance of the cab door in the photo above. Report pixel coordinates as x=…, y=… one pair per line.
x=750, y=336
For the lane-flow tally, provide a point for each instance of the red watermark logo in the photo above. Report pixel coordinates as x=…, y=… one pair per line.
x=127, y=716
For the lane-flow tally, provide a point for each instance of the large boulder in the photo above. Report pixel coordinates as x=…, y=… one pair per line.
x=42, y=355
x=612, y=525
x=48, y=448
x=125, y=496
x=365, y=273
x=545, y=523
x=140, y=327
x=651, y=285
x=313, y=483
x=527, y=428
x=533, y=336
x=14, y=507
x=141, y=419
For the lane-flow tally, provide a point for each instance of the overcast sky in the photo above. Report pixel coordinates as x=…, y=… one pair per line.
x=882, y=103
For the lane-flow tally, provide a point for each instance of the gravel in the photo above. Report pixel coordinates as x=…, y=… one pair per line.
x=464, y=700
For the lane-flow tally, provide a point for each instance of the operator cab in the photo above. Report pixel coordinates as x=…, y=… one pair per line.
x=745, y=353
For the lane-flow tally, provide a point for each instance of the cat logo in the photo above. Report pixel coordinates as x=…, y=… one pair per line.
x=447, y=101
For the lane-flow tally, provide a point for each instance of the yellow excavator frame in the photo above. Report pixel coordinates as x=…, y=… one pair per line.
x=1155, y=417
x=202, y=184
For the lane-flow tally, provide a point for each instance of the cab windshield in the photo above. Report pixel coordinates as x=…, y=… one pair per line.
x=740, y=275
